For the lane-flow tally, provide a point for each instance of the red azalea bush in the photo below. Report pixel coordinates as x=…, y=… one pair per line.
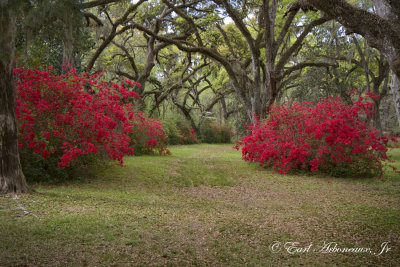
x=327, y=136
x=71, y=117
x=187, y=136
x=148, y=135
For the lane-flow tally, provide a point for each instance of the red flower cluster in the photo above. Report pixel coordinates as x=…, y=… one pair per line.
x=317, y=136
x=187, y=135
x=72, y=115
x=148, y=134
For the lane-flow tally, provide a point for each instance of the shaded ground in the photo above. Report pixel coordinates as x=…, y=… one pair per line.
x=202, y=206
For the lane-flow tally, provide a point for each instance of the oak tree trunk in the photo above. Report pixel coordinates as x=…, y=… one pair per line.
x=392, y=54
x=12, y=180
x=395, y=86
x=68, y=39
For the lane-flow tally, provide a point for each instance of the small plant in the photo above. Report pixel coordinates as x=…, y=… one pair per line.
x=327, y=136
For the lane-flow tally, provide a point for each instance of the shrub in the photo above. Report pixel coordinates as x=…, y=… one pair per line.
x=179, y=131
x=70, y=121
x=172, y=132
x=187, y=134
x=212, y=132
x=327, y=136
x=147, y=135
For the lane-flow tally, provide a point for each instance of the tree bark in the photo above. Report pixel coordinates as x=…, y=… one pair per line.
x=12, y=180
x=68, y=39
x=395, y=86
x=383, y=10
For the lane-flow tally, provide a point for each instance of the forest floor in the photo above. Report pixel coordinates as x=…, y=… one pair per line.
x=203, y=206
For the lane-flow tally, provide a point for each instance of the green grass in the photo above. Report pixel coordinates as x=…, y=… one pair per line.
x=201, y=206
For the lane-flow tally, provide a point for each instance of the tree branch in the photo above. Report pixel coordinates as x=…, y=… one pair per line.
x=303, y=65
x=113, y=33
x=89, y=15
x=283, y=32
x=297, y=44
x=97, y=3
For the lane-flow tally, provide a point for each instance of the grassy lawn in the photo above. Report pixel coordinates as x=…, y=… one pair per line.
x=202, y=206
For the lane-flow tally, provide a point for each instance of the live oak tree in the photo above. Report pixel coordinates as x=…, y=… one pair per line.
x=112, y=27
x=258, y=72
x=132, y=53
x=381, y=29
x=189, y=83
x=135, y=53
x=140, y=50
x=357, y=66
x=199, y=94
x=329, y=44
